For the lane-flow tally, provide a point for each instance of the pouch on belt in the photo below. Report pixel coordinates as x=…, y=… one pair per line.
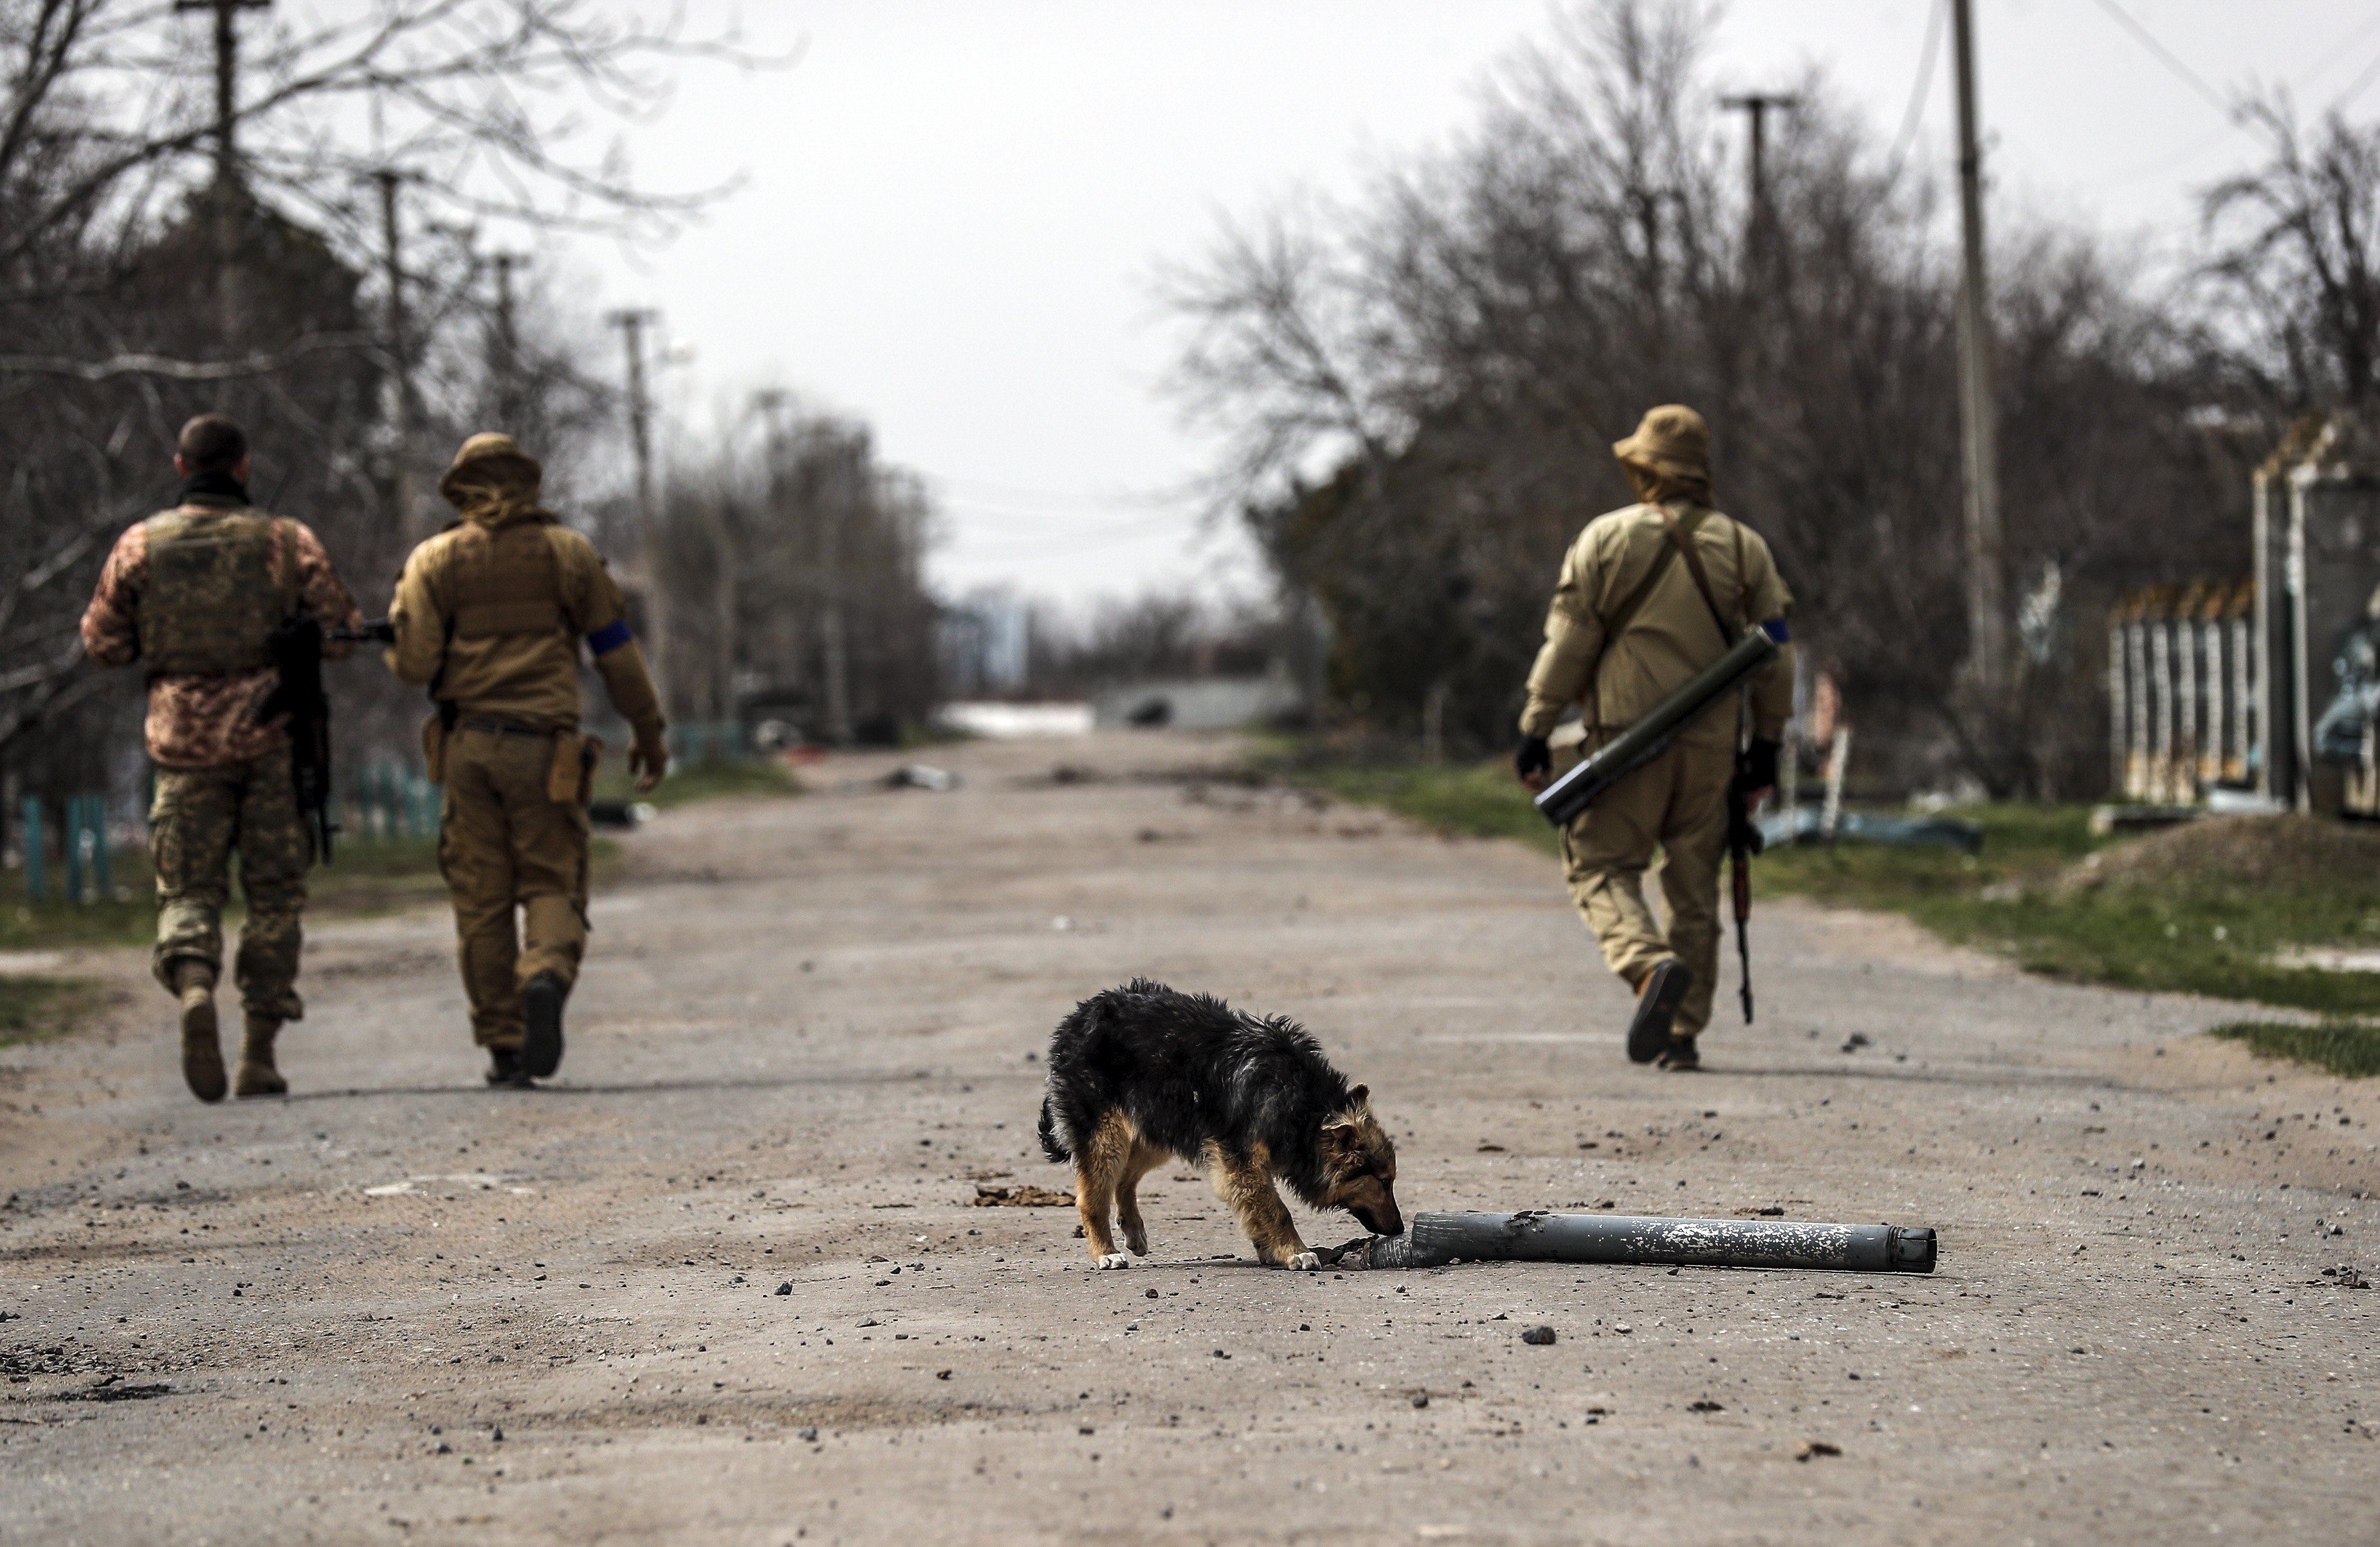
x=434, y=748
x=570, y=778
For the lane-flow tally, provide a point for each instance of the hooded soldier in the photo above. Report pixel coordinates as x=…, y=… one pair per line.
x=490, y=615
x=1649, y=596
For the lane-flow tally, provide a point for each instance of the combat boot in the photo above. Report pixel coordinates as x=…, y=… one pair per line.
x=202, y=1065
x=257, y=1075
x=1658, y=998
x=1680, y=1056
x=504, y=1068
x=541, y=1052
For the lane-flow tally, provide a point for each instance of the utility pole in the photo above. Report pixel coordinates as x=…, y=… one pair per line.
x=1757, y=106
x=507, y=361
x=405, y=515
x=1987, y=647
x=225, y=196
x=843, y=491
x=632, y=323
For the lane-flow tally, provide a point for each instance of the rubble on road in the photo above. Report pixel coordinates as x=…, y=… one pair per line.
x=1023, y=1196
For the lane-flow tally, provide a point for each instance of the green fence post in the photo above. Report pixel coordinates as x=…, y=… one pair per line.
x=36, y=843
x=72, y=833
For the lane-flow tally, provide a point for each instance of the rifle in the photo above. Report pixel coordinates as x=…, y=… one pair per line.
x=1744, y=841
x=297, y=651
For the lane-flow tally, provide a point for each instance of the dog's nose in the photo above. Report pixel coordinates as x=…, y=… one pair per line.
x=1395, y=1226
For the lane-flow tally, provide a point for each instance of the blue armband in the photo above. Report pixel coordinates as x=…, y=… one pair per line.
x=1775, y=628
x=612, y=636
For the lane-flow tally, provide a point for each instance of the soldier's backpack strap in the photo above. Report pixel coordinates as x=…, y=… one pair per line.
x=1634, y=603
x=1682, y=539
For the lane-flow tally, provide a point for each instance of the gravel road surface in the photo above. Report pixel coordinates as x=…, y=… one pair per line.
x=721, y=1284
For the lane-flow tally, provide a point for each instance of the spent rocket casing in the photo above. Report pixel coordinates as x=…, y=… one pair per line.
x=1536, y=1235
x=1561, y=801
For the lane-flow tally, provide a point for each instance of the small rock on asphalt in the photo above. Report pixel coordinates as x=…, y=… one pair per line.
x=1539, y=1335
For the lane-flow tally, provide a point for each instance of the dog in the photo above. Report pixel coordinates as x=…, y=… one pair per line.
x=1141, y=1072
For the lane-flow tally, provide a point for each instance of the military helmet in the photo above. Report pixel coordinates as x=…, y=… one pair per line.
x=490, y=458
x=1672, y=441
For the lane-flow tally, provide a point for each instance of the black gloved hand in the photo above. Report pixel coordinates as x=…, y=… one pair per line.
x=1756, y=768
x=1533, y=758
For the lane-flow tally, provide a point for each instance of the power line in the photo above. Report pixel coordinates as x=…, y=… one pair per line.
x=2356, y=90
x=1916, y=111
x=2333, y=56
x=2172, y=61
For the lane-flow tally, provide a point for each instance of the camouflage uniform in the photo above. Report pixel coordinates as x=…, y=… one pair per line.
x=490, y=614
x=194, y=594
x=1628, y=628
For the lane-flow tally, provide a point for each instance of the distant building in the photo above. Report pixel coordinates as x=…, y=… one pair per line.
x=983, y=643
x=1209, y=703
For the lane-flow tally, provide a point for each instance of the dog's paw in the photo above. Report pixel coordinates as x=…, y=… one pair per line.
x=1112, y=1260
x=1137, y=1242
x=1304, y=1262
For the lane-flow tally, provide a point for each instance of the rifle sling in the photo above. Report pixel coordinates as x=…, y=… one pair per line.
x=1683, y=541
x=1634, y=603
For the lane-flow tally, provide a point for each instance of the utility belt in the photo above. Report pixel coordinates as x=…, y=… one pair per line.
x=497, y=725
x=569, y=777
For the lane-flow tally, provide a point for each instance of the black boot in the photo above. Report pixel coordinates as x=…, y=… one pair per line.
x=504, y=1068
x=1657, y=999
x=541, y=1010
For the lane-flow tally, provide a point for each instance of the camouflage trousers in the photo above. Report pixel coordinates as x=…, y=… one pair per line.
x=514, y=860
x=200, y=818
x=1675, y=806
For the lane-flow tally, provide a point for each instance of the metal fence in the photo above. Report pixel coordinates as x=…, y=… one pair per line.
x=82, y=846
x=2182, y=691
x=387, y=800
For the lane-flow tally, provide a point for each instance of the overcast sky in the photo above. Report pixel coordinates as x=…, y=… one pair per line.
x=954, y=208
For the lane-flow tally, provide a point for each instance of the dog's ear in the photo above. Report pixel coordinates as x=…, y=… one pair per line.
x=1358, y=1096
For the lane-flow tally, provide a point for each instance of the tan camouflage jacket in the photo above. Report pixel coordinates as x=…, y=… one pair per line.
x=1671, y=636
x=529, y=677
x=205, y=722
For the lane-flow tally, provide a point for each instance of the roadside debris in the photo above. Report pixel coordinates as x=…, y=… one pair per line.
x=1807, y=825
x=1816, y=1448
x=1536, y=1235
x=921, y=776
x=1023, y=1196
x=1539, y=1335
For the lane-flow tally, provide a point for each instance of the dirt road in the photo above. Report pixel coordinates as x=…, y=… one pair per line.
x=720, y=1283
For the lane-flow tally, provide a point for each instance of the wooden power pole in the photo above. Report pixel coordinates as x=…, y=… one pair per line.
x=507, y=350
x=226, y=197
x=632, y=323
x=1987, y=628
x=406, y=516
x=1757, y=106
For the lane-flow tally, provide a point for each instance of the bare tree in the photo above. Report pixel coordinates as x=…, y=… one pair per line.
x=1421, y=392
x=2295, y=275
x=168, y=246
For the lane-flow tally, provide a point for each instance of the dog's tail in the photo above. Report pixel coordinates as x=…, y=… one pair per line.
x=1052, y=1145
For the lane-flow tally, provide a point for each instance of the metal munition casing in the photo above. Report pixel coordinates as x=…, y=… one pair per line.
x=1434, y=1240
x=1561, y=801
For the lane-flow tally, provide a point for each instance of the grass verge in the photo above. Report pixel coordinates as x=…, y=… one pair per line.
x=707, y=781
x=2348, y=1048
x=31, y=1008
x=2211, y=937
